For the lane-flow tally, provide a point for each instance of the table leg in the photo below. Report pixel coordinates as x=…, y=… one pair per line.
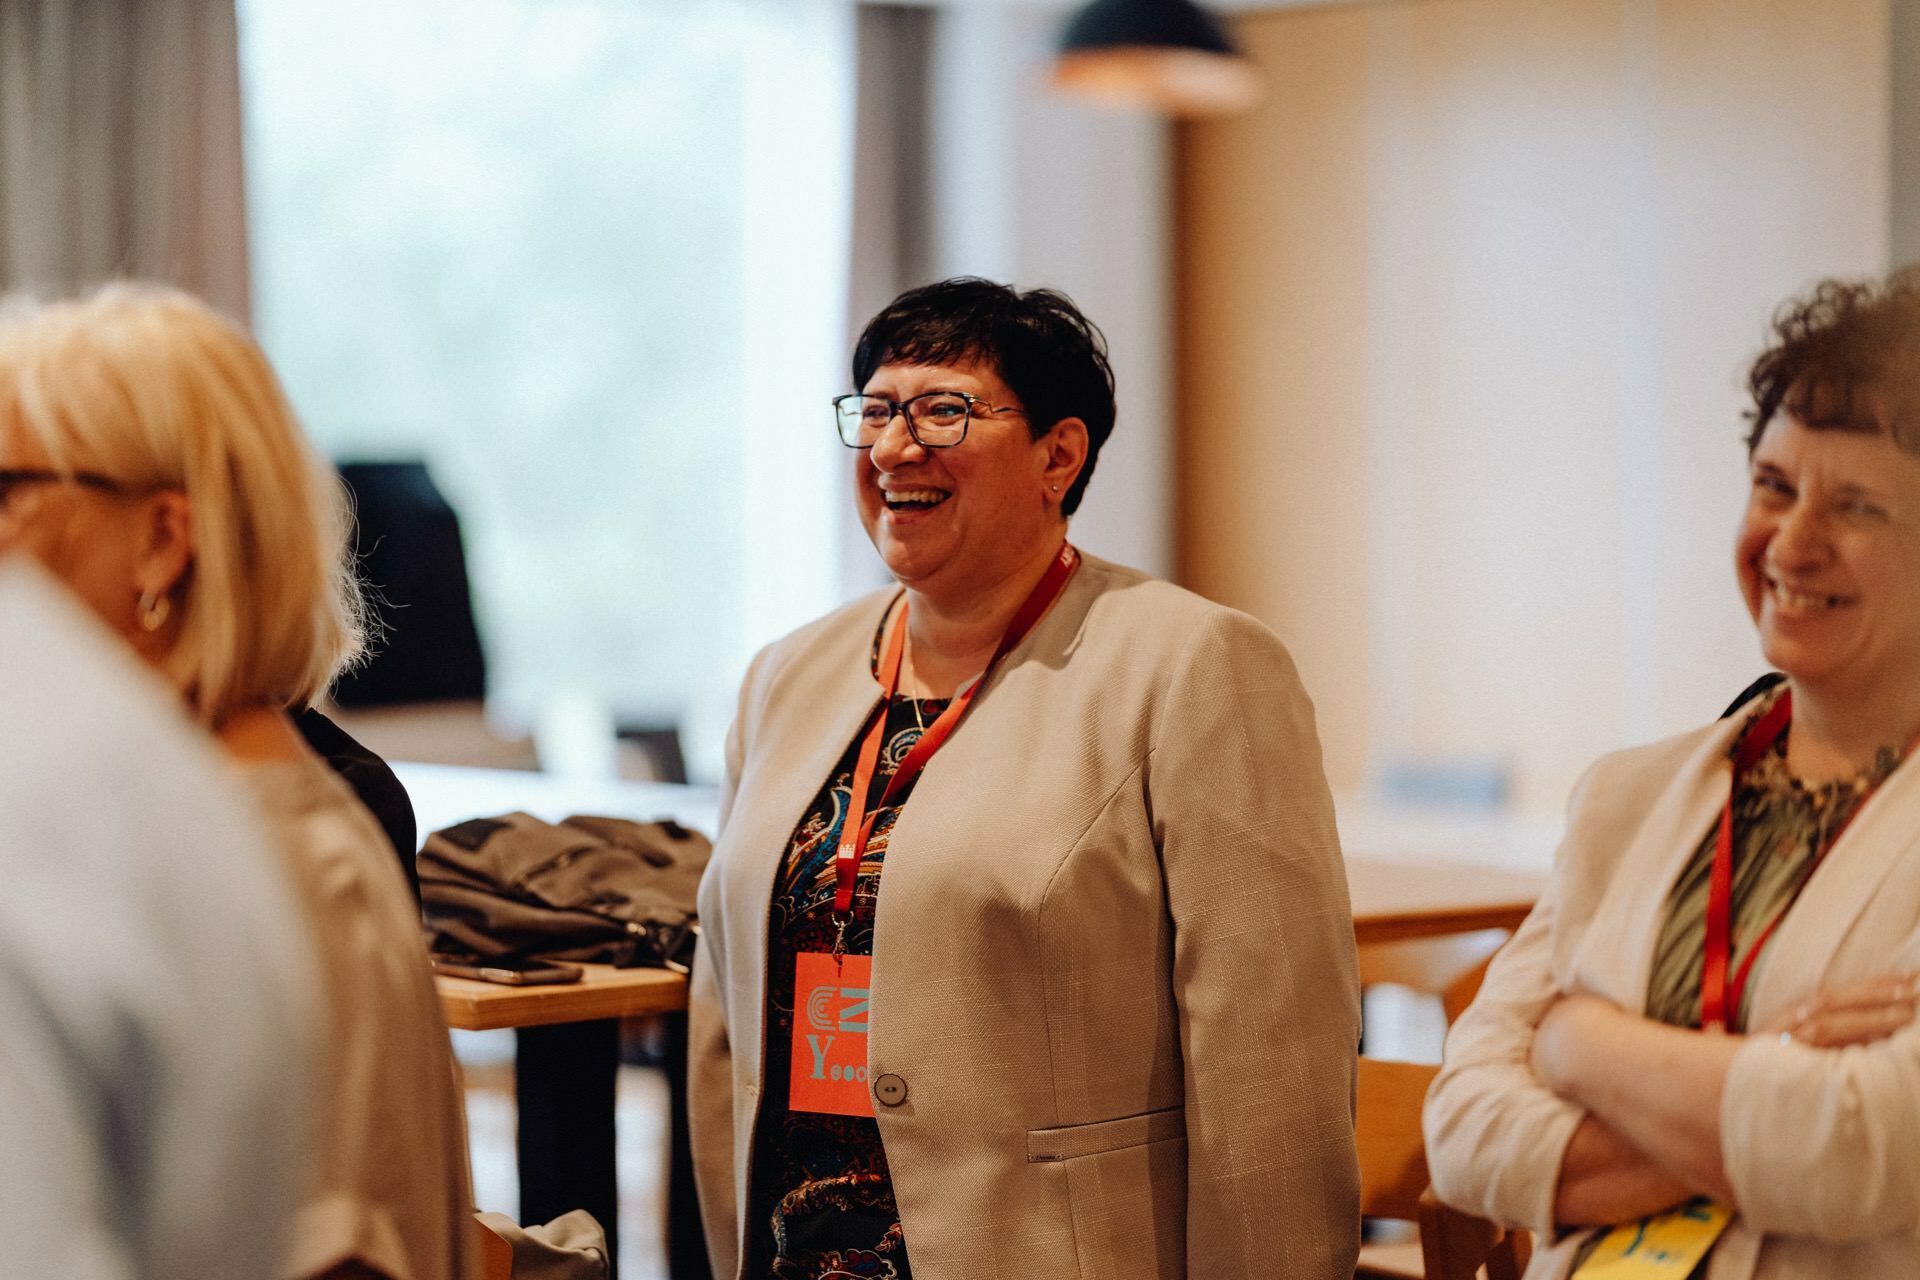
x=686, y=1242
x=564, y=1078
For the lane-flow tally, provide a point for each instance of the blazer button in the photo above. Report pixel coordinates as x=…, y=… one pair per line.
x=890, y=1089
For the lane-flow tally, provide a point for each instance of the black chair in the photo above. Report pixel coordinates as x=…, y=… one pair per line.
x=406, y=539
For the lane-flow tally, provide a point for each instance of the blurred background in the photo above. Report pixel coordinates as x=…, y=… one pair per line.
x=1430, y=331
x=1430, y=357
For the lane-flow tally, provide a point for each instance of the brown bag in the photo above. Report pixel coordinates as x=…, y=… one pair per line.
x=604, y=890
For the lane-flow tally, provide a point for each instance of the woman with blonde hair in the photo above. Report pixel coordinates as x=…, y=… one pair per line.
x=149, y=459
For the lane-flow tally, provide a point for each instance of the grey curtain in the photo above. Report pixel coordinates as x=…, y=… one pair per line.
x=891, y=232
x=120, y=146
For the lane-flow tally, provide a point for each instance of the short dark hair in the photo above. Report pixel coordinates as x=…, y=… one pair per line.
x=1051, y=356
x=1845, y=357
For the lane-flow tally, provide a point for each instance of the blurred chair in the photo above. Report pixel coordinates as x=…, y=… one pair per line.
x=406, y=539
x=651, y=753
x=496, y=1255
x=1450, y=967
x=1393, y=1185
x=420, y=696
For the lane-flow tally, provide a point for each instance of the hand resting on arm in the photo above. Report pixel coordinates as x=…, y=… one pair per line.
x=1651, y=1137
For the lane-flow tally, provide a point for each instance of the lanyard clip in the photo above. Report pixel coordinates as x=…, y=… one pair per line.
x=839, y=935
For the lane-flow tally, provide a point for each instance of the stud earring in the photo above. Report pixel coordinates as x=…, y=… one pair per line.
x=153, y=610
x=1056, y=488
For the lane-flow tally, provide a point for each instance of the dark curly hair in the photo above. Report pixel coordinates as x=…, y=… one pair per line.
x=1051, y=356
x=1845, y=357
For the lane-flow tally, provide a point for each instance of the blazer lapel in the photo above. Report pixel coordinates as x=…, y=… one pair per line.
x=1880, y=839
x=793, y=756
x=1614, y=958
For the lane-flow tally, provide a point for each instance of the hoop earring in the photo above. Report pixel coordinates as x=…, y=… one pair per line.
x=153, y=610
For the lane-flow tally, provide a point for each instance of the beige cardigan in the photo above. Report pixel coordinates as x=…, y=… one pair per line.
x=1113, y=962
x=1822, y=1147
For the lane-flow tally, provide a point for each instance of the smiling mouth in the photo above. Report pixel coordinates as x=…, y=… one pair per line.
x=1803, y=601
x=914, y=499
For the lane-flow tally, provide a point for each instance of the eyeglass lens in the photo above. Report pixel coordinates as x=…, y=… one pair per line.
x=936, y=419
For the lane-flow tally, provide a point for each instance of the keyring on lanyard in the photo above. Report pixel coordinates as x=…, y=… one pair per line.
x=858, y=826
x=1720, y=995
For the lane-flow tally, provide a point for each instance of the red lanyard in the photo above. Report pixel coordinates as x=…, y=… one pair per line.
x=1720, y=996
x=859, y=823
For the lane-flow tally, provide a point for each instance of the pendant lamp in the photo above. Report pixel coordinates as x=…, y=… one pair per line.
x=1169, y=55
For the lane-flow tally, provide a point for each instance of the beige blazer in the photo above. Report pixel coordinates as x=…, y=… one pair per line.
x=1113, y=962
x=387, y=1184
x=1822, y=1147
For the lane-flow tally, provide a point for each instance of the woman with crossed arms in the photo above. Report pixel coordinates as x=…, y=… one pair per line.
x=1026, y=941
x=1702, y=1039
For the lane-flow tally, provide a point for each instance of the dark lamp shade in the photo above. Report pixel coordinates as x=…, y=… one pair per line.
x=1169, y=55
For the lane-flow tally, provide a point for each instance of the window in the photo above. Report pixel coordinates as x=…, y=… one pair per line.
x=530, y=241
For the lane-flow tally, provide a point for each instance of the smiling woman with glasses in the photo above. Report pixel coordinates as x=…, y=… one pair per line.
x=1026, y=947
x=151, y=463
x=1703, y=1038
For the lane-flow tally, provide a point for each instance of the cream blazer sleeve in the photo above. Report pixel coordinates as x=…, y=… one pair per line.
x=1495, y=1135
x=1825, y=1143
x=1263, y=962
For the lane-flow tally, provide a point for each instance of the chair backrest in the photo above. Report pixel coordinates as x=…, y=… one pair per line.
x=1393, y=1158
x=1393, y=1178
x=496, y=1255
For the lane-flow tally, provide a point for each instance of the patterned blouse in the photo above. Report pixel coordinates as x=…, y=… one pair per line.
x=821, y=1204
x=1780, y=828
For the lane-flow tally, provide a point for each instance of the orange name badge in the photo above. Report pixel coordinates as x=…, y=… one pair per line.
x=830, y=1001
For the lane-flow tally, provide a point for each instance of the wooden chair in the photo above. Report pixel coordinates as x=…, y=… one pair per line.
x=1450, y=966
x=1393, y=1184
x=496, y=1255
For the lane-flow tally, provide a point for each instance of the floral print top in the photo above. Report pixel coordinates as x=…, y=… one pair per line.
x=820, y=1204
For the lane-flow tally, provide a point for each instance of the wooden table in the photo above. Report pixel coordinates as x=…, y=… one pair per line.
x=1394, y=901
x=568, y=1035
x=602, y=992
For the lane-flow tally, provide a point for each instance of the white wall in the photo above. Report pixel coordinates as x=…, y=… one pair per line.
x=1467, y=306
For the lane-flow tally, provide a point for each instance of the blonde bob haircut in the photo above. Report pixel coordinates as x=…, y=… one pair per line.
x=155, y=390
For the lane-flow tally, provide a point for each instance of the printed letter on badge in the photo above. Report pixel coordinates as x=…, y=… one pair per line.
x=829, y=1059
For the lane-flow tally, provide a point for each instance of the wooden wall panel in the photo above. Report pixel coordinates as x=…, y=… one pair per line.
x=1464, y=308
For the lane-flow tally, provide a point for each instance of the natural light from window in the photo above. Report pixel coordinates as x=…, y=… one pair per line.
x=529, y=243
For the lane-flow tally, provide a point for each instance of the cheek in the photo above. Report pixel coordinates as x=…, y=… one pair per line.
x=86, y=560
x=1896, y=580
x=1752, y=585
x=1749, y=546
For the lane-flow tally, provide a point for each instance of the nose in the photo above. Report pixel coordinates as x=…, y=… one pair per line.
x=1799, y=540
x=896, y=445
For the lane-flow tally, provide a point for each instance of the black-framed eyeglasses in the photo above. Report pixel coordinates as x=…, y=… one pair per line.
x=936, y=420
x=13, y=479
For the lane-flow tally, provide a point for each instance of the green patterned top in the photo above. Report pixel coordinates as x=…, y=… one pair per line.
x=1780, y=827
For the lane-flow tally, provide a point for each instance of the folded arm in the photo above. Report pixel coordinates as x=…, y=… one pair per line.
x=1606, y=1179
x=1801, y=1131
x=1654, y=1088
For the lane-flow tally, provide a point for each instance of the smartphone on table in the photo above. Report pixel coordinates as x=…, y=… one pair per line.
x=511, y=972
